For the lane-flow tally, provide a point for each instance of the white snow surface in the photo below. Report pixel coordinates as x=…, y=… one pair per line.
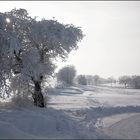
x=80, y=112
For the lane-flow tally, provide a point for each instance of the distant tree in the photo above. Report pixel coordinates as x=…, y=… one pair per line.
x=103, y=80
x=82, y=79
x=66, y=74
x=90, y=80
x=96, y=79
x=111, y=80
x=27, y=50
x=125, y=80
x=135, y=81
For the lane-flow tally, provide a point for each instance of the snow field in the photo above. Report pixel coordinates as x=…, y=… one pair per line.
x=76, y=112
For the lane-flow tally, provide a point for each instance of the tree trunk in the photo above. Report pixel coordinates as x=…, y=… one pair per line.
x=38, y=96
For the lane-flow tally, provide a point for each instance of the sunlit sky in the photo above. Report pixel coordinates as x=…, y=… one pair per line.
x=111, y=46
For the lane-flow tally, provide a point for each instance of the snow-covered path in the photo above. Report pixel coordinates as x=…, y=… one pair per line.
x=123, y=126
x=112, y=110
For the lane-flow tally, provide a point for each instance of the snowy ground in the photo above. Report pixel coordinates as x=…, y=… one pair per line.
x=77, y=112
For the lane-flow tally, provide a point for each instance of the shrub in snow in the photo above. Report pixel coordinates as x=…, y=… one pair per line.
x=21, y=101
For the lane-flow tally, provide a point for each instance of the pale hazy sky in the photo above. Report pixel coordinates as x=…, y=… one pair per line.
x=111, y=46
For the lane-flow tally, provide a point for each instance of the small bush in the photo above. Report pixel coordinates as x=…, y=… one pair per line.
x=21, y=101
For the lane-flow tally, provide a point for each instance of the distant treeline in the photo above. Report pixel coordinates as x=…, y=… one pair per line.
x=127, y=81
x=67, y=76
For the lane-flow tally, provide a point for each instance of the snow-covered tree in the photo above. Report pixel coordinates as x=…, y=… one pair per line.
x=66, y=74
x=27, y=50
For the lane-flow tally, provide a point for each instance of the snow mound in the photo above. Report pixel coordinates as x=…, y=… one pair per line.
x=8, y=131
x=43, y=123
